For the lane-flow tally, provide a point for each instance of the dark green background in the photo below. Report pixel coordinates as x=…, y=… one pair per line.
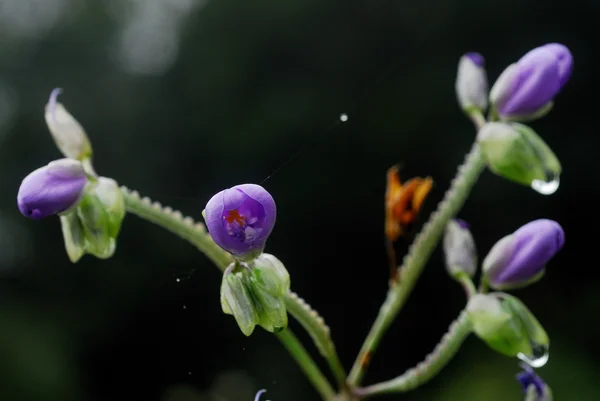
x=252, y=83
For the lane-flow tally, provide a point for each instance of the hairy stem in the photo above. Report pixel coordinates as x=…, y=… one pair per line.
x=417, y=257
x=426, y=370
x=195, y=233
x=311, y=370
x=174, y=221
x=314, y=324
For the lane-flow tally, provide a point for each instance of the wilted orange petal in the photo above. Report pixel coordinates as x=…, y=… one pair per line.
x=421, y=193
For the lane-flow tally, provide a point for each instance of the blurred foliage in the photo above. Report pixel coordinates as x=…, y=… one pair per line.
x=182, y=98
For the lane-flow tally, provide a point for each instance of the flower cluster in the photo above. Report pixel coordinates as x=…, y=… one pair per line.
x=525, y=91
x=255, y=285
x=91, y=208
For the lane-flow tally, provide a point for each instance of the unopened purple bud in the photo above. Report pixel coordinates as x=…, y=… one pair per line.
x=471, y=82
x=534, y=388
x=520, y=258
x=241, y=218
x=528, y=378
x=51, y=189
x=459, y=249
x=528, y=87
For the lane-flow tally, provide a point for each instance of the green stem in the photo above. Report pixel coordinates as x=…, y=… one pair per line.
x=467, y=284
x=426, y=370
x=483, y=286
x=196, y=234
x=417, y=257
x=174, y=221
x=311, y=370
x=314, y=324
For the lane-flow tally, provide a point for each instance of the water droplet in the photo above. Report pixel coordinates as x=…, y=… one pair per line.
x=343, y=117
x=538, y=358
x=546, y=187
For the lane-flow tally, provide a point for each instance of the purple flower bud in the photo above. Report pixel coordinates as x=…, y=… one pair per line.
x=529, y=86
x=459, y=249
x=471, y=82
x=520, y=258
x=533, y=386
x=51, y=189
x=528, y=378
x=241, y=218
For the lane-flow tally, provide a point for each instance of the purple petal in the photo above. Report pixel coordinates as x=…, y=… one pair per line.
x=476, y=58
x=214, y=217
x=259, y=194
x=51, y=189
x=463, y=224
x=528, y=377
x=241, y=218
x=537, y=78
x=536, y=83
x=565, y=61
x=534, y=245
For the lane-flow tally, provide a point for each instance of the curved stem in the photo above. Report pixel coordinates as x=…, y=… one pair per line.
x=417, y=256
x=174, y=221
x=311, y=370
x=467, y=285
x=314, y=324
x=426, y=370
x=195, y=233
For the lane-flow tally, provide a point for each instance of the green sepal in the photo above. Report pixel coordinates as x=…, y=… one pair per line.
x=507, y=326
x=73, y=236
x=270, y=282
x=537, y=337
x=514, y=151
x=95, y=224
x=272, y=311
x=237, y=298
x=270, y=275
x=101, y=212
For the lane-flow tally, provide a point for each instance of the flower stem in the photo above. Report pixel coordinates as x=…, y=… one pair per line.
x=319, y=331
x=467, y=285
x=311, y=370
x=196, y=234
x=426, y=370
x=174, y=221
x=417, y=257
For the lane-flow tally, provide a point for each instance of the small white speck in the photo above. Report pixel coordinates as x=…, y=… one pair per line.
x=343, y=117
x=178, y=280
x=184, y=307
x=189, y=373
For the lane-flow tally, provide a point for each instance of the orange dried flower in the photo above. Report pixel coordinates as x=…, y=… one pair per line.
x=403, y=202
